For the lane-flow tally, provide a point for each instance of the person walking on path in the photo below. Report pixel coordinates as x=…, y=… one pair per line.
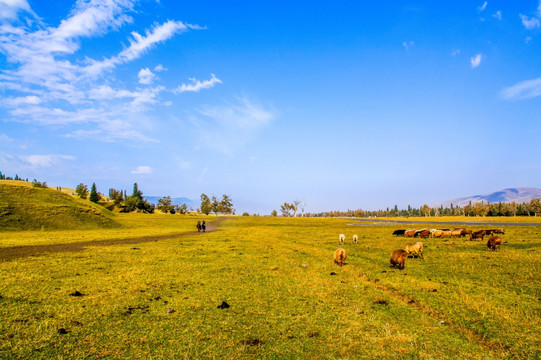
x=198, y=226
x=204, y=226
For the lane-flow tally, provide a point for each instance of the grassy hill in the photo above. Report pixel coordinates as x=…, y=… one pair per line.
x=23, y=207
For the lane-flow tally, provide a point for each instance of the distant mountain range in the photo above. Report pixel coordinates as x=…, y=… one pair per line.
x=176, y=201
x=519, y=195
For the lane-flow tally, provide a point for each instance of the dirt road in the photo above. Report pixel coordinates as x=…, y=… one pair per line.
x=15, y=252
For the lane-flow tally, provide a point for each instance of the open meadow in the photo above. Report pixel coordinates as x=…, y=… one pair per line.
x=161, y=299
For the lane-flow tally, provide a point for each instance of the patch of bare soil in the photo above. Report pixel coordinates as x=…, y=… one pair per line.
x=15, y=252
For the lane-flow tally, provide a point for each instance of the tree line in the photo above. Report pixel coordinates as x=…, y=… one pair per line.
x=532, y=208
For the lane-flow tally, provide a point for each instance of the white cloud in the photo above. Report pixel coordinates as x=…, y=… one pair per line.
x=10, y=8
x=408, y=44
x=475, y=61
x=225, y=128
x=482, y=7
x=140, y=44
x=45, y=160
x=534, y=21
x=146, y=76
x=523, y=90
x=29, y=100
x=142, y=170
x=530, y=23
x=455, y=52
x=55, y=86
x=498, y=15
x=5, y=138
x=197, y=85
x=159, y=68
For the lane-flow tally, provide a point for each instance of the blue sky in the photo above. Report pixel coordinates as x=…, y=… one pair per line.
x=343, y=105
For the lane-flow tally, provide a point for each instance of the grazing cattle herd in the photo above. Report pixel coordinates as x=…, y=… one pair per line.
x=415, y=249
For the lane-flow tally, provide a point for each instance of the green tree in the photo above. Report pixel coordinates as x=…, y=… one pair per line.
x=136, y=202
x=274, y=213
x=535, y=206
x=286, y=209
x=116, y=196
x=206, y=205
x=137, y=194
x=38, y=184
x=215, y=205
x=165, y=205
x=182, y=209
x=226, y=205
x=94, y=196
x=82, y=191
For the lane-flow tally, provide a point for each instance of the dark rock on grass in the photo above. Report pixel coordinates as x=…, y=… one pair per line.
x=313, y=334
x=252, y=342
x=381, y=302
x=77, y=293
x=132, y=309
x=224, y=305
x=62, y=331
x=333, y=273
x=170, y=311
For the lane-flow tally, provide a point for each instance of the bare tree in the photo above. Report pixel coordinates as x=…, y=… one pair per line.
x=295, y=207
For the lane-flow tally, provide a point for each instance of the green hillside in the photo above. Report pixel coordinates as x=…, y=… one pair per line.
x=23, y=207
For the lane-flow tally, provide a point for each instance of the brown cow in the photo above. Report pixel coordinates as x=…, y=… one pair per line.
x=458, y=232
x=410, y=233
x=437, y=233
x=494, y=231
x=398, y=258
x=494, y=242
x=478, y=235
x=446, y=233
x=423, y=233
x=340, y=256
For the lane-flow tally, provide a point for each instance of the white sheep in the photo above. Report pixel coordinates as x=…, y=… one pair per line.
x=355, y=238
x=415, y=248
x=342, y=238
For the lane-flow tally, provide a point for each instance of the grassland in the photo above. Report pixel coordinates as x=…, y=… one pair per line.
x=159, y=299
x=25, y=207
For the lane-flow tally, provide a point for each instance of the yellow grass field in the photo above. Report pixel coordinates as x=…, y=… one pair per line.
x=160, y=299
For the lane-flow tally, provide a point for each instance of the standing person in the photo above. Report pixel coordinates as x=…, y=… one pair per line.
x=198, y=225
x=204, y=226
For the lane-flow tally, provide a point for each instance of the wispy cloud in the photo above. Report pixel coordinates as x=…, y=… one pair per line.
x=475, y=61
x=229, y=127
x=497, y=15
x=534, y=21
x=142, y=170
x=523, y=90
x=482, y=7
x=407, y=44
x=35, y=161
x=9, y=9
x=197, y=85
x=5, y=138
x=56, y=87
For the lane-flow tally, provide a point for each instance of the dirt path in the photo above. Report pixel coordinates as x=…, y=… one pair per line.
x=15, y=252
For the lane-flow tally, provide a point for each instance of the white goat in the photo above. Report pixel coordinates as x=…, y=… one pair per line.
x=355, y=238
x=342, y=238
